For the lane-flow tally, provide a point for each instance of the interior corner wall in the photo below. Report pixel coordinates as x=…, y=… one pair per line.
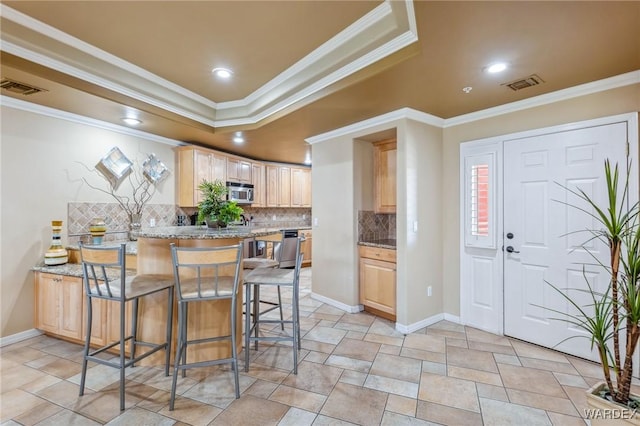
x=419, y=253
x=611, y=102
x=41, y=171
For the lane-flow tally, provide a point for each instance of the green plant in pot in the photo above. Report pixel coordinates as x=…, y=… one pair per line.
x=612, y=318
x=214, y=209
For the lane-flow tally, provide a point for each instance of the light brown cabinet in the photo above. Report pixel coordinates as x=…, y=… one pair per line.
x=194, y=166
x=278, y=186
x=59, y=304
x=300, y=187
x=238, y=170
x=378, y=281
x=384, y=161
x=306, y=246
x=259, y=187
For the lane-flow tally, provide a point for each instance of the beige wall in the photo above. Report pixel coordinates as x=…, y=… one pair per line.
x=40, y=173
x=611, y=102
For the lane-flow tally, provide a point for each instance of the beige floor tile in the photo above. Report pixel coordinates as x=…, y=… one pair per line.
x=261, y=389
x=397, y=367
x=361, y=318
x=219, y=389
x=434, y=368
x=38, y=413
x=469, y=358
x=156, y=401
x=317, y=357
x=395, y=419
x=390, y=350
x=353, y=377
x=330, y=421
x=424, y=355
x=564, y=420
x=492, y=392
x=445, y=415
x=355, y=404
x=16, y=402
x=139, y=416
x=446, y=333
x=385, y=327
x=305, y=400
x=545, y=402
x=392, y=386
x=529, y=350
x=40, y=383
x=460, y=343
x=571, y=380
x=507, y=359
x=191, y=412
x=325, y=335
x=449, y=391
x=314, y=378
x=530, y=379
x=475, y=375
x=348, y=363
x=587, y=368
x=269, y=374
x=425, y=342
x=68, y=417
x=356, y=335
x=22, y=356
x=297, y=417
x=476, y=335
x=19, y=376
x=251, y=411
x=499, y=413
x=401, y=405
x=357, y=349
x=491, y=347
x=357, y=329
x=63, y=393
x=578, y=396
x=385, y=340
x=278, y=356
x=311, y=345
x=542, y=364
x=447, y=325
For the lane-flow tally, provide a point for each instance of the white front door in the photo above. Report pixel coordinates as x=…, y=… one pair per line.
x=540, y=241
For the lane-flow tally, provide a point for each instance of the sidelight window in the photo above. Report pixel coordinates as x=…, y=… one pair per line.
x=479, y=200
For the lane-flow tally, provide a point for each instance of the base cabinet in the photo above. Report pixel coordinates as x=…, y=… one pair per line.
x=378, y=281
x=306, y=246
x=59, y=305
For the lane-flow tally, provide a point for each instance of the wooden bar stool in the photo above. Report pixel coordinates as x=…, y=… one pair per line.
x=105, y=277
x=202, y=274
x=281, y=278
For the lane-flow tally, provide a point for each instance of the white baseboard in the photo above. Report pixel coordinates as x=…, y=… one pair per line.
x=19, y=337
x=347, y=308
x=407, y=329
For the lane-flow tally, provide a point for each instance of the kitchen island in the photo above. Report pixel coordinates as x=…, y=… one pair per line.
x=205, y=319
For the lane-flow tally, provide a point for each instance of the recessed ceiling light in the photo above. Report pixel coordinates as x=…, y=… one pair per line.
x=223, y=73
x=238, y=138
x=131, y=121
x=497, y=67
x=467, y=89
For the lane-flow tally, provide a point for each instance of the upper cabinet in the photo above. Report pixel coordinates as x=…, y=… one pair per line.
x=300, y=187
x=384, y=164
x=238, y=170
x=274, y=185
x=194, y=166
x=259, y=187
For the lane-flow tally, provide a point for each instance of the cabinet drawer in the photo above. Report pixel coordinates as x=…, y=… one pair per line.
x=377, y=253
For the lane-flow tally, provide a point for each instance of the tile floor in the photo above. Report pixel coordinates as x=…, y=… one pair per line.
x=354, y=369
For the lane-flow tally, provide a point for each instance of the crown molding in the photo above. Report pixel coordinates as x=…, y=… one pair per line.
x=364, y=126
x=18, y=104
x=390, y=27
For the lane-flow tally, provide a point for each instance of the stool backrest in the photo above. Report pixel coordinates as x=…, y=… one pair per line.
x=206, y=268
x=102, y=266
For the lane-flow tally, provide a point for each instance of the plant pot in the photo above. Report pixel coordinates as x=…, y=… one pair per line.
x=602, y=412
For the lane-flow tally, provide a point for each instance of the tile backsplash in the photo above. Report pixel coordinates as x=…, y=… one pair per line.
x=372, y=226
x=80, y=215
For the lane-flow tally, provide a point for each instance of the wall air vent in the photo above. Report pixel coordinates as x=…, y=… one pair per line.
x=522, y=83
x=20, y=88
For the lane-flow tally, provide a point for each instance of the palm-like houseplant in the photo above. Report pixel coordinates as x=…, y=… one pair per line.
x=613, y=318
x=214, y=207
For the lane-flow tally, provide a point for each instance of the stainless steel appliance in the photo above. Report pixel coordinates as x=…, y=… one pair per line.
x=288, y=257
x=241, y=193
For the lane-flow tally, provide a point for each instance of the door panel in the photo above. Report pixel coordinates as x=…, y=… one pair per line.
x=548, y=234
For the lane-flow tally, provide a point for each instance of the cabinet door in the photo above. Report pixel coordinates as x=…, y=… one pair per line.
x=284, y=187
x=385, y=176
x=300, y=187
x=272, y=186
x=218, y=167
x=259, y=189
x=71, y=307
x=202, y=171
x=244, y=172
x=233, y=170
x=378, y=285
x=98, y=321
x=306, y=247
x=47, y=301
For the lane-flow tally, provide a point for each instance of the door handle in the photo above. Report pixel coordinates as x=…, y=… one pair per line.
x=510, y=249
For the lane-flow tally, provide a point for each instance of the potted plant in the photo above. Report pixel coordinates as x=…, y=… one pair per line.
x=214, y=209
x=612, y=320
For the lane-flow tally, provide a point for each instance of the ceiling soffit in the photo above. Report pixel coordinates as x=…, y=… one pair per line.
x=387, y=29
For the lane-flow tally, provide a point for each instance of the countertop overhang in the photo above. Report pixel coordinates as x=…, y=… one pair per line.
x=203, y=233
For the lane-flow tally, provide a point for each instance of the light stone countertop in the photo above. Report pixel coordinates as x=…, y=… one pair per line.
x=204, y=233
x=384, y=243
x=75, y=270
x=132, y=246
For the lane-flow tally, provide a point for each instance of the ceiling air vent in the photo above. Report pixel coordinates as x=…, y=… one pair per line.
x=522, y=83
x=20, y=88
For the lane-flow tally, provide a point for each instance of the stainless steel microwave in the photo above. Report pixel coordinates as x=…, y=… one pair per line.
x=241, y=193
